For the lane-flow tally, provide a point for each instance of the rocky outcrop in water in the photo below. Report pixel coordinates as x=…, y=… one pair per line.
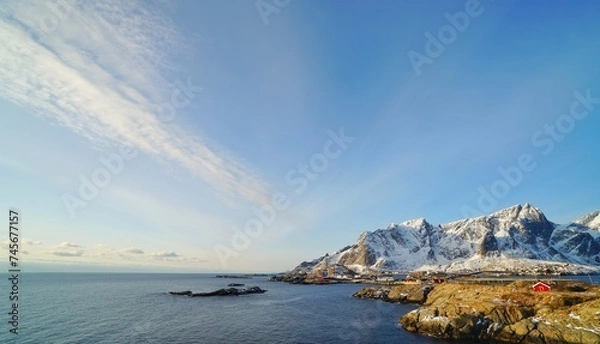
x=402, y=293
x=221, y=292
x=570, y=313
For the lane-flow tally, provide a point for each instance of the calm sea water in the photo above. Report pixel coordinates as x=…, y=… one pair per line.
x=134, y=308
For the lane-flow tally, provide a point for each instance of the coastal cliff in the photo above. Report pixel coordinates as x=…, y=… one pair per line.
x=513, y=313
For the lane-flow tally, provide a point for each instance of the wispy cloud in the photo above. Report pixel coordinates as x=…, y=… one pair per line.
x=102, y=73
x=162, y=255
x=28, y=242
x=69, y=245
x=64, y=253
x=170, y=256
x=67, y=249
x=132, y=250
x=68, y=252
x=5, y=244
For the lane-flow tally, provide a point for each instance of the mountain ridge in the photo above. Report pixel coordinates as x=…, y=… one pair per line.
x=521, y=232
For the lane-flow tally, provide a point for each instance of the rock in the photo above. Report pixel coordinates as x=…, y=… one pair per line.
x=410, y=321
x=436, y=323
x=222, y=292
x=378, y=293
x=255, y=290
x=575, y=287
x=402, y=293
x=511, y=313
x=516, y=333
x=187, y=292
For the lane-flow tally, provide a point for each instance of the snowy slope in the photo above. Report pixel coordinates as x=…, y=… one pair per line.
x=580, y=240
x=591, y=221
x=518, y=265
x=519, y=232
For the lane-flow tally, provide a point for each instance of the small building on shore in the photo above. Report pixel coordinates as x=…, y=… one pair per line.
x=541, y=287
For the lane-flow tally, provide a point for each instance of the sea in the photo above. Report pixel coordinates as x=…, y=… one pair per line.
x=136, y=308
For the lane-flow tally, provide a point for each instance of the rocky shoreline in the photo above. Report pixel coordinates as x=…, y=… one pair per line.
x=513, y=313
x=401, y=293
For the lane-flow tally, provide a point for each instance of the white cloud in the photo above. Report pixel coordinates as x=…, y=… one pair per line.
x=67, y=253
x=28, y=242
x=165, y=254
x=101, y=73
x=171, y=256
x=102, y=254
x=132, y=250
x=69, y=245
x=67, y=249
x=31, y=245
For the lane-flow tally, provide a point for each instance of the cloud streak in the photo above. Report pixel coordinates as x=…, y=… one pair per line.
x=132, y=250
x=101, y=254
x=76, y=253
x=69, y=245
x=101, y=73
x=164, y=255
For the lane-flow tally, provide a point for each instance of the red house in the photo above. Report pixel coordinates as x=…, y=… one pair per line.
x=541, y=286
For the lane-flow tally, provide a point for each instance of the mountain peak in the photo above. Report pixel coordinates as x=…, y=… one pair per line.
x=591, y=220
x=415, y=223
x=525, y=211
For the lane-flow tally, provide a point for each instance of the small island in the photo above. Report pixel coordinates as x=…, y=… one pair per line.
x=221, y=292
x=234, y=276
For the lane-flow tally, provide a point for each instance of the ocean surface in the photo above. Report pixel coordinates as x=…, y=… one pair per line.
x=135, y=308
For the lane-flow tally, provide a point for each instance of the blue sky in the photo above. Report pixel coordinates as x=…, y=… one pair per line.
x=218, y=105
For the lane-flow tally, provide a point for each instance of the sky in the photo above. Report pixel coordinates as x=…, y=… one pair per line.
x=248, y=136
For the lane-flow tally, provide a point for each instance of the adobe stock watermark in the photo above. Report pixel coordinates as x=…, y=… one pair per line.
x=266, y=8
x=297, y=178
x=58, y=11
x=364, y=325
x=181, y=96
x=435, y=46
x=545, y=140
x=112, y=165
x=89, y=187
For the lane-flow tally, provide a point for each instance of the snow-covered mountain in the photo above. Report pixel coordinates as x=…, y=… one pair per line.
x=518, y=232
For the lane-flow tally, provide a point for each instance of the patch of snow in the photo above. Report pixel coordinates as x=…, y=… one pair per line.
x=438, y=318
x=581, y=328
x=591, y=220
